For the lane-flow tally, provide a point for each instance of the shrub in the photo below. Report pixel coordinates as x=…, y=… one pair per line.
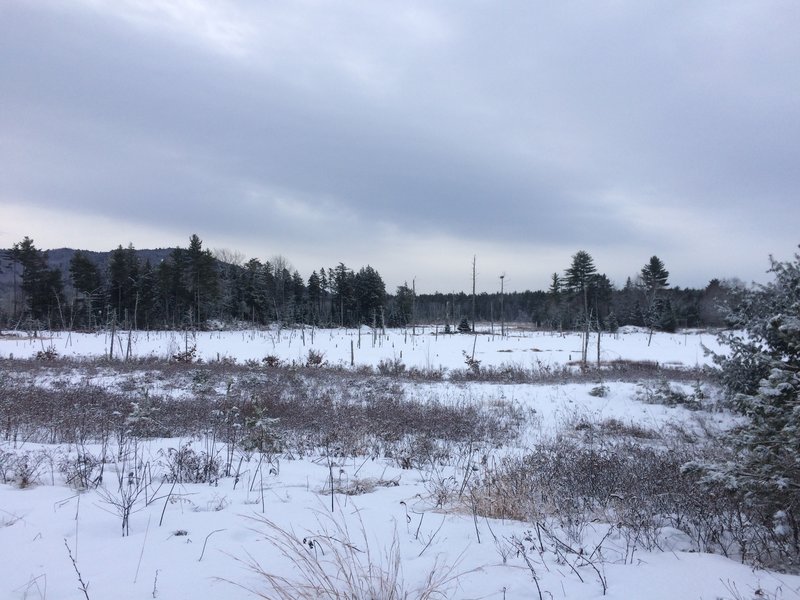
x=315, y=358
x=184, y=465
x=271, y=361
x=26, y=468
x=599, y=391
x=82, y=471
x=187, y=356
x=393, y=367
x=662, y=392
x=47, y=354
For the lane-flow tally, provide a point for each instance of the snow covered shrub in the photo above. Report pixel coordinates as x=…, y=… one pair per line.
x=599, y=391
x=427, y=373
x=81, y=471
x=27, y=468
x=662, y=392
x=186, y=356
x=6, y=462
x=638, y=488
x=614, y=428
x=315, y=358
x=394, y=367
x=271, y=361
x=184, y=465
x=633, y=368
x=442, y=489
x=473, y=364
x=47, y=354
x=260, y=431
x=142, y=420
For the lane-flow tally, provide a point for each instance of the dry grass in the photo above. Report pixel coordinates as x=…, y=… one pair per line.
x=333, y=563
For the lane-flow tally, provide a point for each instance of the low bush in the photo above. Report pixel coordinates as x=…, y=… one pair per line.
x=639, y=488
x=392, y=367
x=295, y=410
x=185, y=465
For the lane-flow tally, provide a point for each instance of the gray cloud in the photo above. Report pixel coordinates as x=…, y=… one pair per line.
x=523, y=131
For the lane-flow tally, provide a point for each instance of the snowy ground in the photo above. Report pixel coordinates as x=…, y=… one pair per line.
x=194, y=541
x=425, y=347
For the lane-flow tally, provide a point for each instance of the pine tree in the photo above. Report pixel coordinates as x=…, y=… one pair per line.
x=298, y=297
x=86, y=279
x=148, y=299
x=554, y=301
x=325, y=305
x=201, y=280
x=761, y=372
x=601, y=291
x=344, y=299
x=402, y=307
x=654, y=275
x=42, y=286
x=85, y=274
x=578, y=278
x=658, y=313
x=123, y=279
x=370, y=294
x=314, y=297
x=256, y=295
x=555, y=287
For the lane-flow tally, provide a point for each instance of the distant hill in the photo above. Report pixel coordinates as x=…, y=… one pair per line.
x=60, y=258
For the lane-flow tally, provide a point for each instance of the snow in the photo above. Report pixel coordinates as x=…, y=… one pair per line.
x=194, y=541
x=425, y=347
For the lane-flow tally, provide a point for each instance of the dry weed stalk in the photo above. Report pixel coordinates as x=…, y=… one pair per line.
x=336, y=565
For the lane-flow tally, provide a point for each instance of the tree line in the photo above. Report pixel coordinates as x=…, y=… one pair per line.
x=191, y=287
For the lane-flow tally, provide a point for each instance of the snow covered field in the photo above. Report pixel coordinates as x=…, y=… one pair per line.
x=429, y=348
x=414, y=527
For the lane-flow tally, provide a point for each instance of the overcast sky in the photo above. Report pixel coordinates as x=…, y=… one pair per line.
x=409, y=135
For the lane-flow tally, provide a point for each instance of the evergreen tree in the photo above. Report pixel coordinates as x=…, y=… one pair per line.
x=579, y=277
x=628, y=303
x=601, y=292
x=402, y=308
x=554, y=302
x=370, y=294
x=148, y=297
x=201, y=280
x=298, y=298
x=256, y=297
x=230, y=271
x=86, y=279
x=325, y=288
x=654, y=275
x=41, y=286
x=761, y=372
x=314, y=291
x=344, y=299
x=713, y=297
x=85, y=274
x=555, y=287
x=123, y=280
x=658, y=313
